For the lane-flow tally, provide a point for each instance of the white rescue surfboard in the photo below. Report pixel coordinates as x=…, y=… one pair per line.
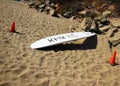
x=58, y=39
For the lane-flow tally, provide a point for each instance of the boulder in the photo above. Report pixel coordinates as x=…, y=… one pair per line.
x=86, y=23
x=34, y=5
x=48, y=10
x=100, y=19
x=103, y=19
x=115, y=40
x=115, y=30
x=100, y=25
x=89, y=13
x=31, y=5
x=94, y=13
x=73, y=17
x=115, y=22
x=51, y=12
x=94, y=26
x=106, y=13
x=68, y=14
x=104, y=28
x=42, y=6
x=110, y=33
x=82, y=13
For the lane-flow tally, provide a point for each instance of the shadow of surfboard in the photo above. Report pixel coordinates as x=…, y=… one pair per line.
x=89, y=43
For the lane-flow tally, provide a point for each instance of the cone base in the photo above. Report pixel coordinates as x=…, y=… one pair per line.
x=114, y=64
x=13, y=31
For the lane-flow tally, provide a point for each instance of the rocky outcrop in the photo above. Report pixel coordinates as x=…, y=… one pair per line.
x=50, y=9
x=95, y=22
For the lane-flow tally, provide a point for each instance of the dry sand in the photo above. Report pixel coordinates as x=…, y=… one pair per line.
x=77, y=63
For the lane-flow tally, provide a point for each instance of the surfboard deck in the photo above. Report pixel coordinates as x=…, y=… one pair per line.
x=58, y=39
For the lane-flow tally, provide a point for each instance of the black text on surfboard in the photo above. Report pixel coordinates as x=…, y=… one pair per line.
x=56, y=39
x=61, y=38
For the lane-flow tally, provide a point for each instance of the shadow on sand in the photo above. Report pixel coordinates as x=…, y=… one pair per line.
x=89, y=43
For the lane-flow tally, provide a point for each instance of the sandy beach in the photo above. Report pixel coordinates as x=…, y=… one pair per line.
x=77, y=63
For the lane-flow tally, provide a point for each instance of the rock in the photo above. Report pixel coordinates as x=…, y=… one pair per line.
x=115, y=22
x=90, y=7
x=115, y=30
x=107, y=13
x=105, y=28
x=51, y=12
x=110, y=33
x=48, y=10
x=94, y=13
x=54, y=6
x=103, y=20
x=82, y=13
x=100, y=19
x=17, y=0
x=86, y=23
x=31, y=5
x=89, y=13
x=34, y=5
x=37, y=6
x=115, y=40
x=42, y=6
x=55, y=14
x=59, y=15
x=68, y=14
x=100, y=25
x=73, y=17
x=94, y=26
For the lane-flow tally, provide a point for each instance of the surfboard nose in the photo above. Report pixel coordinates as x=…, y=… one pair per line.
x=32, y=46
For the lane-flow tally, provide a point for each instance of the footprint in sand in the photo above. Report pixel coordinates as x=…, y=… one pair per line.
x=25, y=75
x=40, y=75
x=19, y=69
x=1, y=62
x=5, y=84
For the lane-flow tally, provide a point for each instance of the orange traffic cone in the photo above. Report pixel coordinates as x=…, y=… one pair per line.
x=112, y=59
x=12, y=29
